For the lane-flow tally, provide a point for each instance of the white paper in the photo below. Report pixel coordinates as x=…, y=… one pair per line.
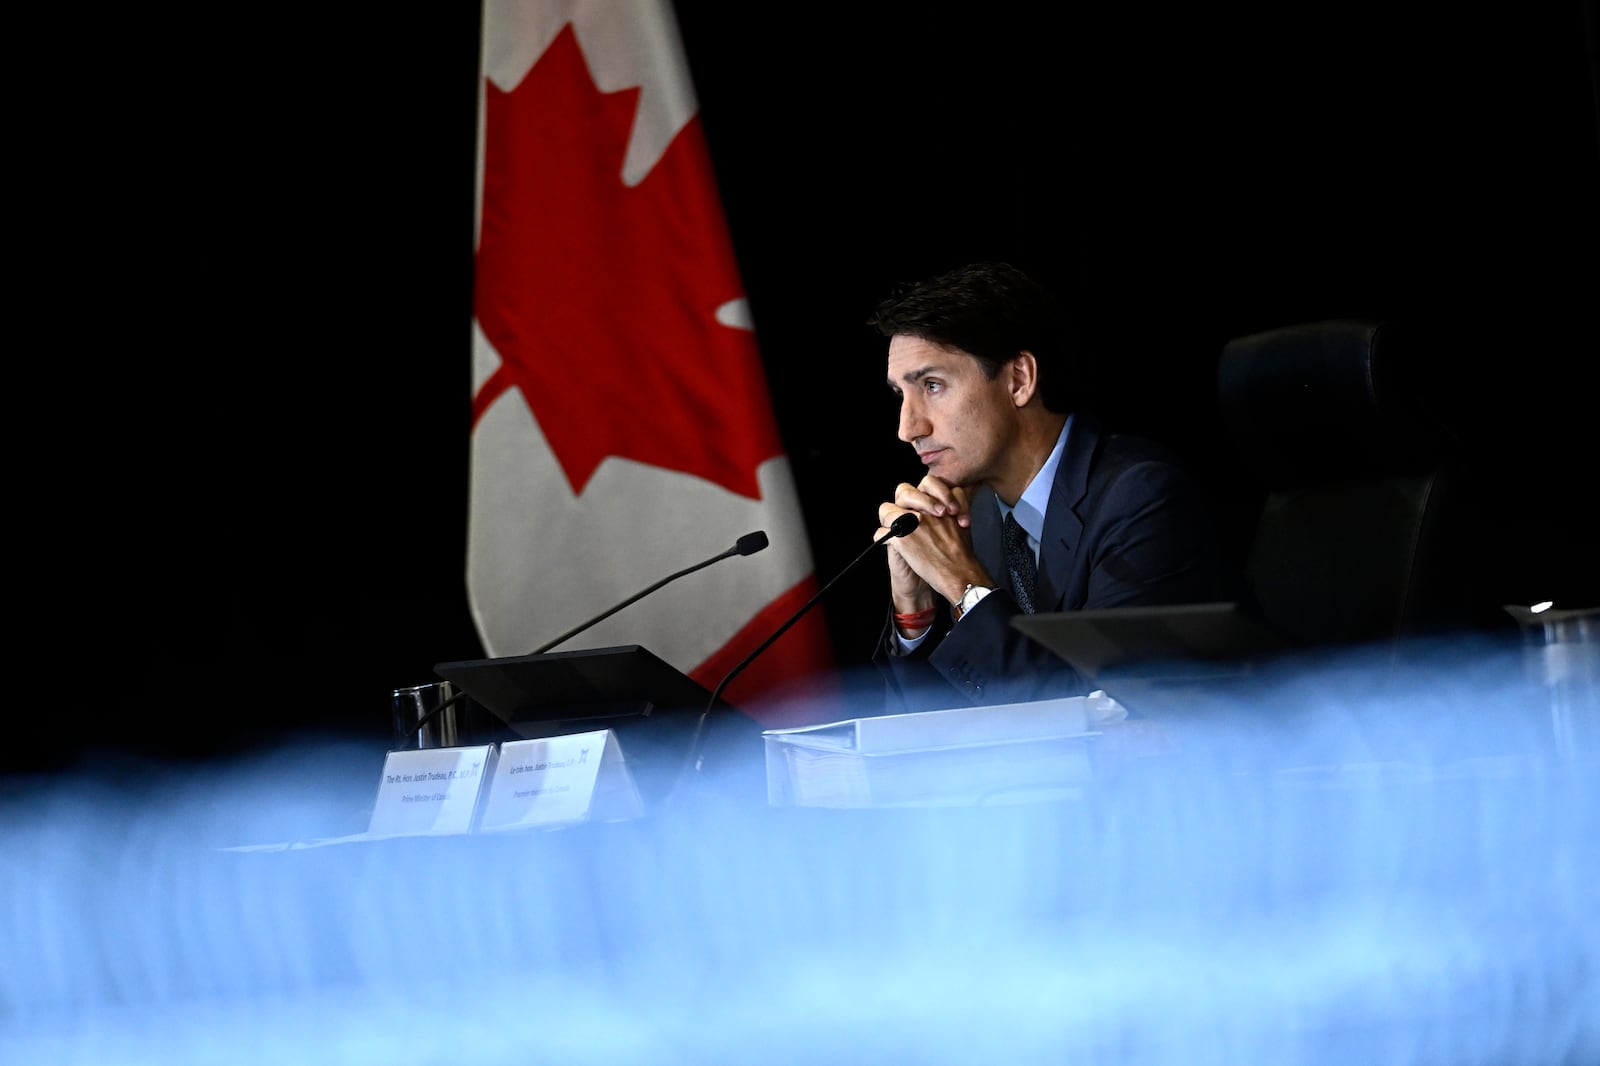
x=430, y=791
x=967, y=755
x=559, y=780
x=953, y=727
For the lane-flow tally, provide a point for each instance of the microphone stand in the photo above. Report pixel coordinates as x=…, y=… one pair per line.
x=695, y=759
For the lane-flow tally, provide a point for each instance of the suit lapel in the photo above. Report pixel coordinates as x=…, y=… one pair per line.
x=1063, y=528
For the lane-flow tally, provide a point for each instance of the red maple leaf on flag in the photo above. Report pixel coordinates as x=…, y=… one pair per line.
x=601, y=299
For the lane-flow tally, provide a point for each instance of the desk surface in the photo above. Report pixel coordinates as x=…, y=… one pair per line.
x=1349, y=885
x=1259, y=916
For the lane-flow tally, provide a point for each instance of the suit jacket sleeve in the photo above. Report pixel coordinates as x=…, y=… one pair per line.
x=981, y=660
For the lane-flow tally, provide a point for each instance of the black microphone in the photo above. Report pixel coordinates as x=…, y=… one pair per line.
x=748, y=544
x=898, y=528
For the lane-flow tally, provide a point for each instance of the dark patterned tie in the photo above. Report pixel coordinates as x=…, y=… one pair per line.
x=1019, y=560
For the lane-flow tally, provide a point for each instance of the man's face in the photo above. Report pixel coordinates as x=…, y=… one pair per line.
x=960, y=422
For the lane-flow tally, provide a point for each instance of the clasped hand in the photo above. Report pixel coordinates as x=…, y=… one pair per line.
x=935, y=559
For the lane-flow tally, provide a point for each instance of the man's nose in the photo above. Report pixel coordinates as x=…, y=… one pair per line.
x=912, y=423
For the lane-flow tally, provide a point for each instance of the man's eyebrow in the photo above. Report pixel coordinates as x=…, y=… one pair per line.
x=911, y=377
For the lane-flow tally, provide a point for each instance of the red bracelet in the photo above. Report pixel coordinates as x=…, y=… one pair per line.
x=917, y=619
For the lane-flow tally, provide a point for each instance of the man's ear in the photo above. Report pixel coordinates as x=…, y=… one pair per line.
x=1022, y=377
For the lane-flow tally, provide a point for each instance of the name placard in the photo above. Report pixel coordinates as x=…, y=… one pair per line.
x=430, y=791
x=558, y=780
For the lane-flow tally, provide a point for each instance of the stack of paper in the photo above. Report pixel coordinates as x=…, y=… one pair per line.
x=1008, y=753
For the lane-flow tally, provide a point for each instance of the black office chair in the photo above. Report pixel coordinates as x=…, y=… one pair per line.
x=1369, y=522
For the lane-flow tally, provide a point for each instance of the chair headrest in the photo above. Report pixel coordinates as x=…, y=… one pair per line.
x=1324, y=401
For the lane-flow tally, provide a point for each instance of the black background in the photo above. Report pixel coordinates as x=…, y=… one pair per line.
x=273, y=223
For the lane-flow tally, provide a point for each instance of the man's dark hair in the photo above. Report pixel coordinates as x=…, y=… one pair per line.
x=992, y=311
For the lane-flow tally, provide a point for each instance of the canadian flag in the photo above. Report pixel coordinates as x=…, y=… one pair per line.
x=622, y=426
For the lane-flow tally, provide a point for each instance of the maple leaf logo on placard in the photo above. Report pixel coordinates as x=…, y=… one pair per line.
x=601, y=299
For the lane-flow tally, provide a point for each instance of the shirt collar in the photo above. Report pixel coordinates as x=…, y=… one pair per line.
x=1036, y=497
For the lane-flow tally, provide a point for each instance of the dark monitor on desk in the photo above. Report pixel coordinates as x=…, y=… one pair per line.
x=1180, y=642
x=1174, y=663
x=652, y=708
x=570, y=691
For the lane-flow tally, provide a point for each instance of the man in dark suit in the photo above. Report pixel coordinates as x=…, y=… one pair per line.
x=989, y=382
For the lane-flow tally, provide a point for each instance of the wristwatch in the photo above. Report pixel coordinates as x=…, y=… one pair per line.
x=970, y=598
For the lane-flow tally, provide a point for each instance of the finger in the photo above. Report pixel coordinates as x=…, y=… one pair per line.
x=912, y=498
x=951, y=499
x=887, y=513
x=963, y=505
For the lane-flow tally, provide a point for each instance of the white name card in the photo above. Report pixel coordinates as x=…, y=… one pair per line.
x=558, y=780
x=430, y=791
